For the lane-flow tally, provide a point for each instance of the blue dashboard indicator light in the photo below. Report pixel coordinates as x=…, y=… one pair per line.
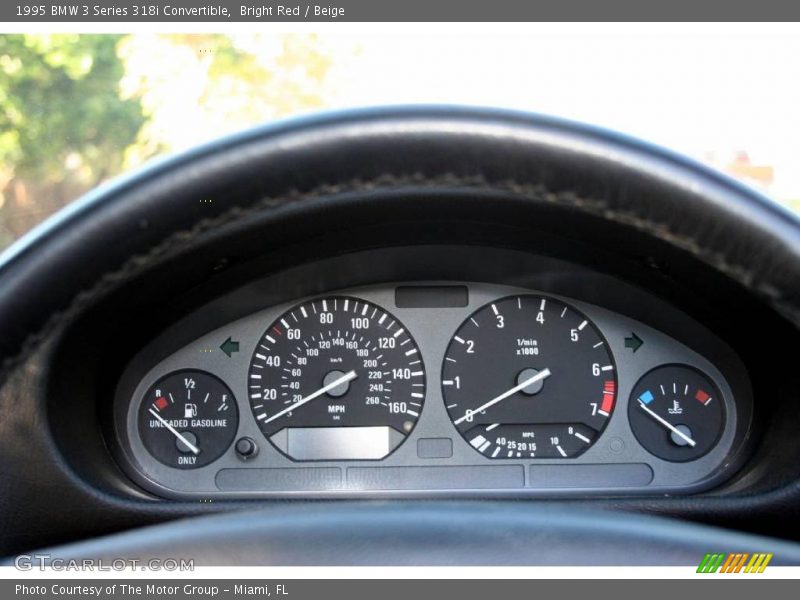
x=646, y=397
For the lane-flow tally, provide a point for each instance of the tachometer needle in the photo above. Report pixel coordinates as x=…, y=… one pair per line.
x=175, y=432
x=669, y=426
x=349, y=376
x=544, y=373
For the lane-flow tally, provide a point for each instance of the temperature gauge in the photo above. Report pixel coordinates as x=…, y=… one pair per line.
x=188, y=419
x=677, y=413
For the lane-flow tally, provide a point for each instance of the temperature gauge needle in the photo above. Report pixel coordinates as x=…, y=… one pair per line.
x=349, y=376
x=666, y=424
x=176, y=433
x=543, y=374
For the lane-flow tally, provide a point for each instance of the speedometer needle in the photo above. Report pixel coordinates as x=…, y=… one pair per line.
x=176, y=433
x=669, y=426
x=349, y=376
x=543, y=374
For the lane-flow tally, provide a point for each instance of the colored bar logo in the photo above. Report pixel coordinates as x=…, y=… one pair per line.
x=735, y=562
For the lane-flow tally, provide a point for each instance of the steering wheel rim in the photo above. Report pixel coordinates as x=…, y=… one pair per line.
x=435, y=533
x=121, y=230
x=355, y=151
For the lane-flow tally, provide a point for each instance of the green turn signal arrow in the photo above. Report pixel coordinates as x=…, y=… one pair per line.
x=229, y=347
x=634, y=342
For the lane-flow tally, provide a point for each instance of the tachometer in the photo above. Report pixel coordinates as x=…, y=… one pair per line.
x=529, y=376
x=336, y=378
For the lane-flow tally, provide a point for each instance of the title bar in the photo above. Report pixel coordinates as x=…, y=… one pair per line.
x=222, y=11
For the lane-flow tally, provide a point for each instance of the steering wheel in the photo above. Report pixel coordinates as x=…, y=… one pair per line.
x=153, y=228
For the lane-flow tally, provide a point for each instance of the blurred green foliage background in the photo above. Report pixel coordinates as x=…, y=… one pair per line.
x=78, y=109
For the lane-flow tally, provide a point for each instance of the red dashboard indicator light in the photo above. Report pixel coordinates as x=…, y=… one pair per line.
x=161, y=403
x=702, y=397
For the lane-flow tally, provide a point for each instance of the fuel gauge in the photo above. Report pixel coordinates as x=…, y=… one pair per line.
x=188, y=419
x=676, y=412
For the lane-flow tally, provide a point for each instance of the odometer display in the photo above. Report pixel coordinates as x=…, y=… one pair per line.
x=336, y=378
x=529, y=377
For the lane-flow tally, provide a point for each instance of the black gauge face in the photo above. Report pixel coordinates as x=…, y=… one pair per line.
x=188, y=419
x=677, y=413
x=336, y=379
x=529, y=377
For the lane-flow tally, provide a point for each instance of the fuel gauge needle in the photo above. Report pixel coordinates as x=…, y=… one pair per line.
x=666, y=424
x=195, y=450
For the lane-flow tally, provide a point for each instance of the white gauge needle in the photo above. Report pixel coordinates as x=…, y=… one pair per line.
x=543, y=374
x=672, y=428
x=349, y=376
x=174, y=432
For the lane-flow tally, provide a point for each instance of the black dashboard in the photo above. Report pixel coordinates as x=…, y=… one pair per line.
x=398, y=309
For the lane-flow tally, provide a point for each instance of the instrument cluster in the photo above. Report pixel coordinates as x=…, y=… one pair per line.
x=430, y=388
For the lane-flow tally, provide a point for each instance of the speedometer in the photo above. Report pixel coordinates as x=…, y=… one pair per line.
x=337, y=378
x=529, y=377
